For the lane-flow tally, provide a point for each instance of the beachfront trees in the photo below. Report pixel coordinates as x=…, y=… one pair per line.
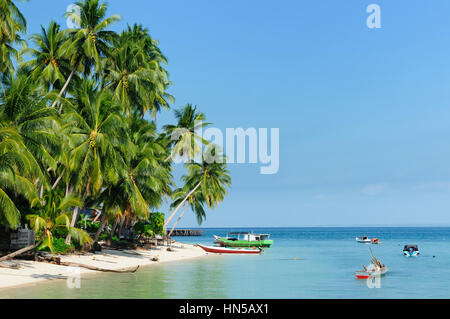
x=12, y=24
x=99, y=146
x=87, y=44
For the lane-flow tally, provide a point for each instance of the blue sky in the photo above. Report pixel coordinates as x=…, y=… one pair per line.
x=364, y=114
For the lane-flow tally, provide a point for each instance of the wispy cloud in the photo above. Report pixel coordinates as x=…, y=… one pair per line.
x=373, y=189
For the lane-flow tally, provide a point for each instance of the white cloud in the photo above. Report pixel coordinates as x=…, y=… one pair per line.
x=373, y=189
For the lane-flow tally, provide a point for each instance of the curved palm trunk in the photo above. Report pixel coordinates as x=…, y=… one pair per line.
x=64, y=88
x=179, y=218
x=72, y=223
x=100, y=229
x=20, y=251
x=181, y=204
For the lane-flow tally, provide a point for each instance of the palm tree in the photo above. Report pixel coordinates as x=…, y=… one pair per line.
x=210, y=180
x=24, y=107
x=150, y=57
x=97, y=128
x=145, y=178
x=49, y=63
x=17, y=169
x=12, y=23
x=186, y=142
x=195, y=201
x=137, y=79
x=90, y=42
x=52, y=215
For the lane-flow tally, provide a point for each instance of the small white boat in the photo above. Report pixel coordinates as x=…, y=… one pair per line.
x=363, y=240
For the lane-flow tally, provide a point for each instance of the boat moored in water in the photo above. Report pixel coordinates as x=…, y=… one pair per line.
x=244, y=239
x=376, y=268
x=363, y=240
x=375, y=241
x=226, y=250
x=411, y=251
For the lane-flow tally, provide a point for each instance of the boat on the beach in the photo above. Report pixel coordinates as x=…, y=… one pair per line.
x=376, y=268
x=363, y=240
x=244, y=239
x=226, y=250
x=411, y=251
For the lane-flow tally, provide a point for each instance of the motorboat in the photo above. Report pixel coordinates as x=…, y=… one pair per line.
x=411, y=251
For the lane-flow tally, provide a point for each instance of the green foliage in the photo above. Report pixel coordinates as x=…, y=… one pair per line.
x=94, y=146
x=157, y=223
x=87, y=224
x=60, y=247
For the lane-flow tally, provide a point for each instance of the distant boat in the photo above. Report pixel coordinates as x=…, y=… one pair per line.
x=244, y=239
x=371, y=271
x=375, y=241
x=363, y=240
x=411, y=251
x=225, y=250
x=376, y=268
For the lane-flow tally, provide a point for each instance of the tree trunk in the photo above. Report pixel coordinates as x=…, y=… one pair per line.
x=181, y=204
x=20, y=251
x=100, y=229
x=57, y=181
x=72, y=223
x=65, y=87
x=176, y=223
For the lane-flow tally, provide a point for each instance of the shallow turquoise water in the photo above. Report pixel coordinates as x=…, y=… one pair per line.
x=327, y=259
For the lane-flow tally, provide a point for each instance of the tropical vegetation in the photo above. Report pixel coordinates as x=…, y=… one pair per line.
x=78, y=110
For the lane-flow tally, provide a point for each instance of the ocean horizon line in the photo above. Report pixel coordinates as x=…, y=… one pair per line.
x=300, y=227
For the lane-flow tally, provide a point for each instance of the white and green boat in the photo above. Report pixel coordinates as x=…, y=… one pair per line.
x=244, y=239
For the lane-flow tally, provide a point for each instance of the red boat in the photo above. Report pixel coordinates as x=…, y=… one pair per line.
x=229, y=250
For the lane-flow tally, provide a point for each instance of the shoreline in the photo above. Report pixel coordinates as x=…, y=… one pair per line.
x=34, y=272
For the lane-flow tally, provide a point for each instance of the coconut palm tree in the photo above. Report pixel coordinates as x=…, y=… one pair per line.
x=24, y=107
x=210, y=180
x=17, y=169
x=145, y=178
x=185, y=140
x=150, y=57
x=87, y=44
x=12, y=23
x=53, y=214
x=136, y=78
x=97, y=128
x=49, y=63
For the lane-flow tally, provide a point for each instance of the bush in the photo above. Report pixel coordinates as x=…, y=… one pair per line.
x=87, y=224
x=60, y=246
x=154, y=226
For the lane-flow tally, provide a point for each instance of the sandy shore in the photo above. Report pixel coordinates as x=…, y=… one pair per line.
x=31, y=272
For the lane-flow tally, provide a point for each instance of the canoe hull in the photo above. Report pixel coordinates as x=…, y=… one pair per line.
x=243, y=243
x=224, y=250
x=370, y=274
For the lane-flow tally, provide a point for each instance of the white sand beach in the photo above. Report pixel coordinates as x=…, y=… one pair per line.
x=31, y=272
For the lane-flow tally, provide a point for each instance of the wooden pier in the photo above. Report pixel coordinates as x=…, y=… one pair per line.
x=186, y=232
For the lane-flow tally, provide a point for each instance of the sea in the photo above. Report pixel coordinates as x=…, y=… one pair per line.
x=303, y=263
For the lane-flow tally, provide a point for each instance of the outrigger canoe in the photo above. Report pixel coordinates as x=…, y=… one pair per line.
x=226, y=250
